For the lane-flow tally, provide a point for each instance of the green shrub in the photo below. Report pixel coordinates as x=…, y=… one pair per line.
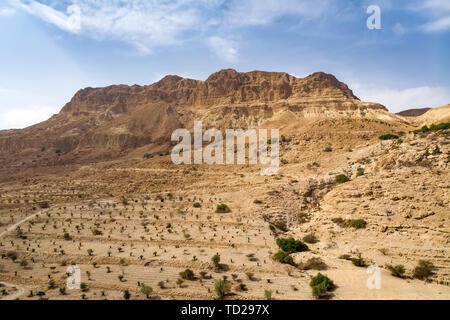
x=148, y=156
x=354, y=223
x=197, y=205
x=388, y=136
x=320, y=285
x=310, y=238
x=423, y=270
x=222, y=208
x=360, y=172
x=216, y=260
x=222, y=288
x=341, y=178
x=281, y=225
x=187, y=274
x=434, y=127
x=291, y=245
x=126, y=295
x=146, y=290
x=328, y=149
x=283, y=257
x=314, y=263
x=359, y=262
x=396, y=271
x=357, y=223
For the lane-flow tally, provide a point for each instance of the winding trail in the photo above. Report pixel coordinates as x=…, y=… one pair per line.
x=14, y=226
x=20, y=291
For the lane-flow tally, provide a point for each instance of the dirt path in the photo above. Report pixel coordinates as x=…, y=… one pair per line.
x=20, y=291
x=14, y=226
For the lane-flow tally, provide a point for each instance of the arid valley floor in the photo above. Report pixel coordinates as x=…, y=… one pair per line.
x=132, y=220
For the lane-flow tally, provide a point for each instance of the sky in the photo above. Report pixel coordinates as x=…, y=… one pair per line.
x=50, y=49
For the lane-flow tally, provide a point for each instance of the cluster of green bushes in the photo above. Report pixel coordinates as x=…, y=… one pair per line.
x=291, y=245
x=187, y=274
x=288, y=246
x=434, y=127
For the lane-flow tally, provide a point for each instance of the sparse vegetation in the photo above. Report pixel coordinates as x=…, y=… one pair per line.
x=222, y=208
x=388, y=136
x=291, y=245
x=283, y=257
x=222, y=288
x=423, y=270
x=321, y=285
x=397, y=271
x=341, y=178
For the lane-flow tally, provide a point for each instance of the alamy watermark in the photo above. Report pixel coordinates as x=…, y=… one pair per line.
x=374, y=20
x=234, y=138
x=374, y=281
x=73, y=281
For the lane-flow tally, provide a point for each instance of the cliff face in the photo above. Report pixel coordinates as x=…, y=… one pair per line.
x=101, y=122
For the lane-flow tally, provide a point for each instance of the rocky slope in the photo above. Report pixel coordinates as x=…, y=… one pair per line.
x=105, y=123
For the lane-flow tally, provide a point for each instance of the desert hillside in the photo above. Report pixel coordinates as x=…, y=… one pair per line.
x=94, y=186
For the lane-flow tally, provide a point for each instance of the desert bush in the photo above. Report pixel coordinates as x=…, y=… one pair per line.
x=328, y=149
x=357, y=223
x=148, y=156
x=187, y=274
x=320, y=285
x=281, y=225
x=360, y=172
x=354, y=223
x=314, y=263
x=222, y=288
x=222, y=208
x=423, y=270
x=388, y=136
x=341, y=178
x=396, y=271
x=216, y=260
x=67, y=236
x=44, y=205
x=268, y=294
x=146, y=290
x=283, y=257
x=310, y=238
x=197, y=205
x=11, y=255
x=359, y=262
x=126, y=295
x=291, y=245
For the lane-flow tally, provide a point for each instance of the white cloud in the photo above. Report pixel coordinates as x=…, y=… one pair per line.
x=439, y=10
x=18, y=118
x=142, y=23
x=397, y=100
x=69, y=22
x=436, y=5
x=225, y=49
x=6, y=12
x=442, y=24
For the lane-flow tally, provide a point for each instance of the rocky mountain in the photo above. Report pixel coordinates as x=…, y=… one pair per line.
x=104, y=123
x=413, y=112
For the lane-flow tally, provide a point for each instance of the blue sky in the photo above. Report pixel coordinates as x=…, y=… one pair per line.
x=50, y=49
